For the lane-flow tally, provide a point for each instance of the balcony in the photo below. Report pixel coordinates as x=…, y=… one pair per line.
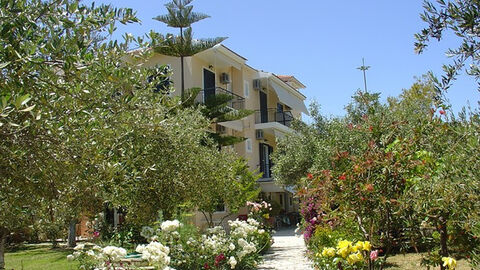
x=274, y=122
x=273, y=115
x=237, y=102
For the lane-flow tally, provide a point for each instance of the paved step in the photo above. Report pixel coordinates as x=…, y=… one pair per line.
x=287, y=253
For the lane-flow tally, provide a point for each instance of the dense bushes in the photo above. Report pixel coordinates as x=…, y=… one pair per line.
x=181, y=246
x=404, y=173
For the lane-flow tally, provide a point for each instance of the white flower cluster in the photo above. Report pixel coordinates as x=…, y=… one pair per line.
x=170, y=225
x=246, y=248
x=215, y=242
x=233, y=262
x=114, y=253
x=155, y=253
x=81, y=250
x=242, y=229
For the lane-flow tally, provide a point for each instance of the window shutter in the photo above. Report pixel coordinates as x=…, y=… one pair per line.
x=262, y=158
x=246, y=89
x=248, y=145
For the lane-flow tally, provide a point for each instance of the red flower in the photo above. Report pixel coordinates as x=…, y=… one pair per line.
x=342, y=177
x=206, y=266
x=442, y=112
x=310, y=176
x=219, y=259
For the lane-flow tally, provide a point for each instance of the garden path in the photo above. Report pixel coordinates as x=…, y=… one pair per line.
x=287, y=253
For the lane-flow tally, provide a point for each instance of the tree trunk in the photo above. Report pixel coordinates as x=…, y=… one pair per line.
x=443, y=239
x=72, y=241
x=3, y=240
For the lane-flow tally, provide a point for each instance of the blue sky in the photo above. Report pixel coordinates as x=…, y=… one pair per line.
x=321, y=43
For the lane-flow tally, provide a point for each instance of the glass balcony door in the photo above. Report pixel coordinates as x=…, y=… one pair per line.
x=208, y=84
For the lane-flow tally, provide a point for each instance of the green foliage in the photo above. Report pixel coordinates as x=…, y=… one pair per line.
x=405, y=171
x=181, y=15
x=325, y=236
x=232, y=185
x=218, y=109
x=184, y=45
x=57, y=93
x=80, y=125
x=461, y=18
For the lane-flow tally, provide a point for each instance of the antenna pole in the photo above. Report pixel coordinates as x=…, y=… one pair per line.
x=364, y=69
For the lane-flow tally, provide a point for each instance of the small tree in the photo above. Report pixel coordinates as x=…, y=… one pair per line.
x=231, y=187
x=181, y=15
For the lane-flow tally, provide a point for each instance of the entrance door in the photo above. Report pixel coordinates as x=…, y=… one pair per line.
x=208, y=84
x=265, y=161
x=263, y=107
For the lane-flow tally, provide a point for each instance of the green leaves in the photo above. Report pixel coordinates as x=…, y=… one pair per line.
x=460, y=17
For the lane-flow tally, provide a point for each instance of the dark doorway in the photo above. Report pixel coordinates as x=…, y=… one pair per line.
x=208, y=84
x=265, y=161
x=263, y=107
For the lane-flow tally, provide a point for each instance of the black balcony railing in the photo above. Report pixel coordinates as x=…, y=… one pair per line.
x=273, y=115
x=236, y=102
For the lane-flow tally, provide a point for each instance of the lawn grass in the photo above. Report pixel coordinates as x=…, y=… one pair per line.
x=411, y=261
x=38, y=257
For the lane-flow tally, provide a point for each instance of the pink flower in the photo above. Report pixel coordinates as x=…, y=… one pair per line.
x=96, y=234
x=442, y=112
x=374, y=255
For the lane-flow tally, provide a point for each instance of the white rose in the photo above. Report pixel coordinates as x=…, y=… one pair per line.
x=170, y=225
x=232, y=262
x=79, y=247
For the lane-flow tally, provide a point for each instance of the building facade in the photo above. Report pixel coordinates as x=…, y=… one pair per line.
x=276, y=101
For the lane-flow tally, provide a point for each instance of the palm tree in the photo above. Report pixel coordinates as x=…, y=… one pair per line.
x=181, y=15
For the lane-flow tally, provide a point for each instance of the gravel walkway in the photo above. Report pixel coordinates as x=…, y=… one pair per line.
x=287, y=253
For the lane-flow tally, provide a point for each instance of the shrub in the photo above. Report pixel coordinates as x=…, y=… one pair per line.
x=183, y=247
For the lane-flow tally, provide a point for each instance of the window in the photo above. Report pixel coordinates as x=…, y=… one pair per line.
x=265, y=151
x=279, y=107
x=281, y=199
x=220, y=207
x=248, y=145
x=246, y=88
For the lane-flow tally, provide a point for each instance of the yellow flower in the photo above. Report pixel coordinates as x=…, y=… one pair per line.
x=328, y=252
x=354, y=258
x=266, y=216
x=344, y=244
x=451, y=263
x=358, y=246
x=367, y=246
x=344, y=248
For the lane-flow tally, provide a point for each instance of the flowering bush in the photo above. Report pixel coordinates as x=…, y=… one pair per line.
x=155, y=253
x=259, y=211
x=347, y=255
x=183, y=247
x=95, y=257
x=215, y=249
